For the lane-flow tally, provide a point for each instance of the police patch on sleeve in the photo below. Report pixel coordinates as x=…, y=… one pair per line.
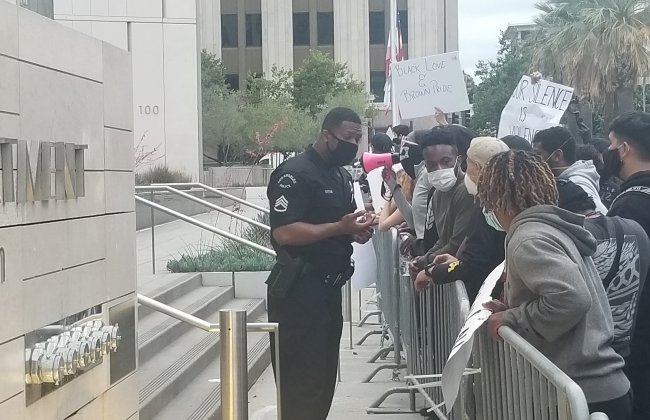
x=287, y=181
x=281, y=204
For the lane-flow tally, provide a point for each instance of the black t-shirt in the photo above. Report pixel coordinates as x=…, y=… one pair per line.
x=483, y=251
x=306, y=189
x=634, y=205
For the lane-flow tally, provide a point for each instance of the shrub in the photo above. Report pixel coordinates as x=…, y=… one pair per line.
x=229, y=255
x=160, y=174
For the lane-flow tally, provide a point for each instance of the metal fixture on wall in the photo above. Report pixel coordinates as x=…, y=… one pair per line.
x=60, y=352
x=78, y=348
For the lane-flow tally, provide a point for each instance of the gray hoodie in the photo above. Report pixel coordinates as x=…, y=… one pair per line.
x=584, y=174
x=558, y=302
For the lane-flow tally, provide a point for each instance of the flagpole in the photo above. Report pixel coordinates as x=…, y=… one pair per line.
x=393, y=59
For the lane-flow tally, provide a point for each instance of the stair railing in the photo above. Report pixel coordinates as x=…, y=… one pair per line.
x=233, y=372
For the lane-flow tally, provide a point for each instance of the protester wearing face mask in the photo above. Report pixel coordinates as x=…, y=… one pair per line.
x=416, y=212
x=483, y=249
x=557, y=147
x=554, y=297
x=450, y=206
x=628, y=157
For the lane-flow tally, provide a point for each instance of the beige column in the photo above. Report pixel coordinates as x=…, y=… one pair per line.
x=351, y=39
x=277, y=35
x=427, y=27
x=209, y=21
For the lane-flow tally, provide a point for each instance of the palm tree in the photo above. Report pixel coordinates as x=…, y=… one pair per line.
x=600, y=47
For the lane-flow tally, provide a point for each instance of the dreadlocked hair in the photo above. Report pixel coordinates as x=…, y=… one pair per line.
x=515, y=181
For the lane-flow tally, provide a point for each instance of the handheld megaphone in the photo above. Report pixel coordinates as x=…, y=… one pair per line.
x=370, y=161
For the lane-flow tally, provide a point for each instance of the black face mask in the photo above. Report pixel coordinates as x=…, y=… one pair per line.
x=410, y=157
x=344, y=153
x=612, y=163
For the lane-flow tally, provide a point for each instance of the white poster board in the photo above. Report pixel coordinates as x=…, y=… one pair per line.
x=365, y=259
x=462, y=350
x=534, y=107
x=375, y=181
x=422, y=84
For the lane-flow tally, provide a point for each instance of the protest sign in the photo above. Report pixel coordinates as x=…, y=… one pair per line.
x=422, y=84
x=375, y=181
x=534, y=107
x=460, y=353
x=365, y=259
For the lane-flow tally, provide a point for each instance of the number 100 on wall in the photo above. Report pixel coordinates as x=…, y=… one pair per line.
x=148, y=109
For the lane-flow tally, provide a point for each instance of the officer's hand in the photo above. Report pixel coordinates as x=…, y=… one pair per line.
x=363, y=237
x=356, y=223
x=444, y=259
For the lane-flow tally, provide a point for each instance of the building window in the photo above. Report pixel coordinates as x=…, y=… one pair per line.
x=377, y=83
x=254, y=30
x=377, y=28
x=229, y=38
x=404, y=25
x=301, y=28
x=232, y=80
x=325, y=28
x=42, y=7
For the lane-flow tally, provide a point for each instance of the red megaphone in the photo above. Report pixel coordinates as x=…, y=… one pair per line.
x=370, y=161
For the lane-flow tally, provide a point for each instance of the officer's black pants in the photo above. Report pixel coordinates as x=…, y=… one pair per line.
x=311, y=322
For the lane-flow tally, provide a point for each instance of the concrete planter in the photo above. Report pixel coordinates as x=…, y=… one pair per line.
x=180, y=204
x=247, y=284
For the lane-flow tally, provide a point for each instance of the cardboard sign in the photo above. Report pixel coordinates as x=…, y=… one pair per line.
x=534, y=107
x=462, y=350
x=422, y=84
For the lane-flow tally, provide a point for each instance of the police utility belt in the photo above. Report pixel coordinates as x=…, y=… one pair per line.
x=288, y=270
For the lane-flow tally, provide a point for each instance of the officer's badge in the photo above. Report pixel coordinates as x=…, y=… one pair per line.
x=281, y=204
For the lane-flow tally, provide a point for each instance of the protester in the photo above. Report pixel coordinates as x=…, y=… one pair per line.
x=381, y=143
x=413, y=164
x=629, y=158
x=610, y=185
x=450, y=206
x=483, y=249
x=399, y=132
x=557, y=147
x=554, y=295
x=517, y=143
x=391, y=216
x=622, y=259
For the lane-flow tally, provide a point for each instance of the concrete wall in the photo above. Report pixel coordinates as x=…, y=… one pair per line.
x=162, y=37
x=238, y=176
x=64, y=256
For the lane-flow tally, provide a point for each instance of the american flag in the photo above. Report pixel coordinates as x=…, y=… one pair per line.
x=399, y=56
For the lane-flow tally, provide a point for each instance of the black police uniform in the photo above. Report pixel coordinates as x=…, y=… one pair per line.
x=306, y=189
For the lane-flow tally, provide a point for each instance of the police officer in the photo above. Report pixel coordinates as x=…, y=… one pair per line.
x=313, y=224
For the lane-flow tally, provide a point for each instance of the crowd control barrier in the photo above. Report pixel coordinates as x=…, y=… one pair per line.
x=505, y=380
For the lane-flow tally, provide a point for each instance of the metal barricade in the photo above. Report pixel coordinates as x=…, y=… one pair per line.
x=518, y=382
x=423, y=327
x=388, y=274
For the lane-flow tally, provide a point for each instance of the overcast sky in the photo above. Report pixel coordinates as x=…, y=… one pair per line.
x=480, y=22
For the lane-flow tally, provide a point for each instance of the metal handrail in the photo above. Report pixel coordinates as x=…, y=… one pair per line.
x=230, y=380
x=203, y=202
x=205, y=226
x=218, y=192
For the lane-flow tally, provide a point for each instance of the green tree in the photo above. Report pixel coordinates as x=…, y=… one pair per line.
x=499, y=79
x=213, y=74
x=596, y=46
x=320, y=77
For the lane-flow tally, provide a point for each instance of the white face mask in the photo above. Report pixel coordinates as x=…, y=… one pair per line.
x=471, y=186
x=443, y=179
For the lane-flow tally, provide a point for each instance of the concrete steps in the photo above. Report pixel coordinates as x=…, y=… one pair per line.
x=176, y=360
